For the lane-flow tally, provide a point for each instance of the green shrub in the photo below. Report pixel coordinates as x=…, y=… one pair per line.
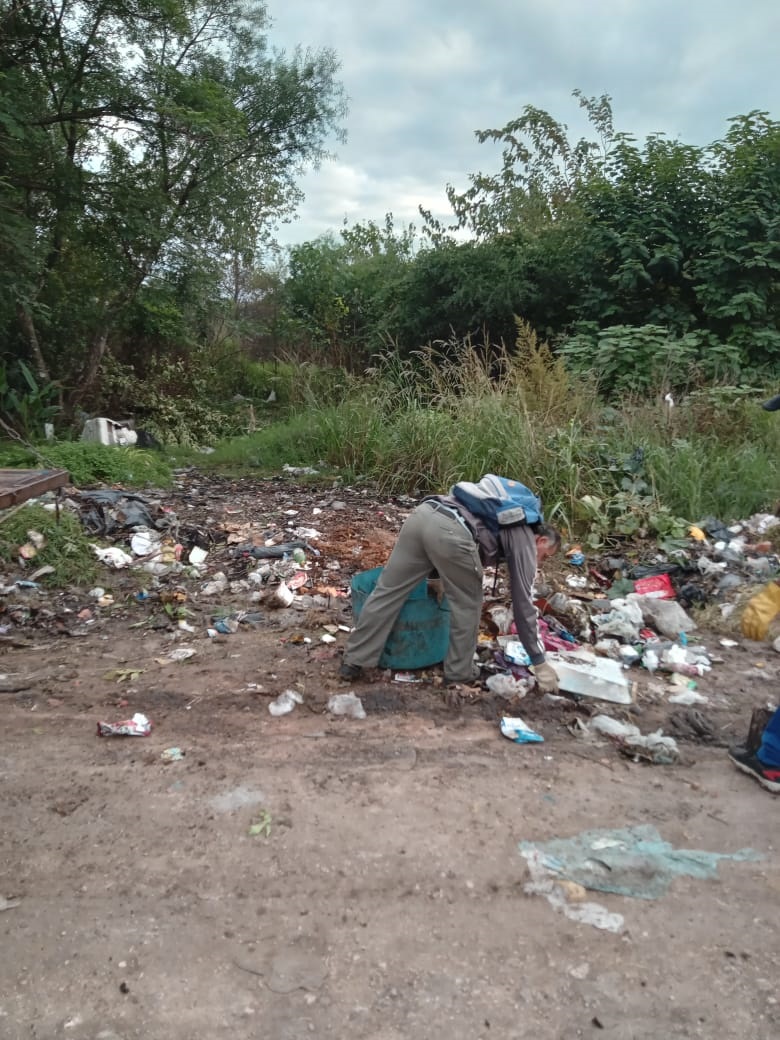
x=638, y=359
x=172, y=400
x=92, y=464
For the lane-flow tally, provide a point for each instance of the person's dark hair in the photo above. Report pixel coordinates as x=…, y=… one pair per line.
x=547, y=531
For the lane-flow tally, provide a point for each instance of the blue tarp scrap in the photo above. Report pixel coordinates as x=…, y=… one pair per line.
x=631, y=861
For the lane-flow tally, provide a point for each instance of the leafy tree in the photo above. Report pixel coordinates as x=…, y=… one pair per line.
x=141, y=139
x=737, y=272
x=346, y=296
x=541, y=170
x=642, y=225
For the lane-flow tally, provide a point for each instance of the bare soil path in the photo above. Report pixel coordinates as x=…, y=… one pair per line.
x=315, y=876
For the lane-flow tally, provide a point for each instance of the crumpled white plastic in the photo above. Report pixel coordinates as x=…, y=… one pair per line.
x=112, y=556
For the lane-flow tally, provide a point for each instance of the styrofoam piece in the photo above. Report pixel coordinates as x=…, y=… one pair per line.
x=144, y=541
x=108, y=431
x=586, y=675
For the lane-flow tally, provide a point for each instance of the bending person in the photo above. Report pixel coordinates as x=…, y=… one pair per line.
x=445, y=538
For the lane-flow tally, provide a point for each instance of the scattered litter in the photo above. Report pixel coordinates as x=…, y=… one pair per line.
x=326, y=637
x=145, y=541
x=658, y=586
x=666, y=616
x=623, y=621
x=261, y=827
x=281, y=551
x=225, y=625
x=217, y=585
x=545, y=881
x=41, y=572
x=28, y=551
x=8, y=904
x=686, y=661
x=651, y=660
x=307, y=533
x=508, y=686
x=283, y=596
x=628, y=738
x=108, y=431
x=137, y=726
x=348, y=704
x=628, y=655
x=502, y=618
x=172, y=754
x=577, y=581
x=688, y=697
x=631, y=861
x=112, y=556
x=177, y=655
x=515, y=652
x=582, y=673
x=285, y=702
x=516, y=730
x=406, y=677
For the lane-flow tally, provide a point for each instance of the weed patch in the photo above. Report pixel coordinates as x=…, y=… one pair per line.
x=93, y=464
x=66, y=546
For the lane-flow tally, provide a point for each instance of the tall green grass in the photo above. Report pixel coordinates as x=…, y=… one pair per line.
x=457, y=410
x=92, y=464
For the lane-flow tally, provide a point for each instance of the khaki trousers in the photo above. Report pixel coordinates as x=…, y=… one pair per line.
x=429, y=539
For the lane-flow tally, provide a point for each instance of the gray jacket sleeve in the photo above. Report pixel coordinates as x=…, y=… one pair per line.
x=519, y=547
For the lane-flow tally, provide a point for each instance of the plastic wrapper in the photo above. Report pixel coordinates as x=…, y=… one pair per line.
x=516, y=730
x=137, y=726
x=657, y=585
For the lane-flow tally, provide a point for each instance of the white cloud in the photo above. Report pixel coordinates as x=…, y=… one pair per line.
x=422, y=77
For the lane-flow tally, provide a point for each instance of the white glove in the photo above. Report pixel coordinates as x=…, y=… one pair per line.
x=546, y=678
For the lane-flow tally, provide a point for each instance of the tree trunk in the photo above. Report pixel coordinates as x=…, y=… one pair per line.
x=91, y=366
x=28, y=327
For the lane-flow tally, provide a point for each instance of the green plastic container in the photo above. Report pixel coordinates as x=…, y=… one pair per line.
x=421, y=634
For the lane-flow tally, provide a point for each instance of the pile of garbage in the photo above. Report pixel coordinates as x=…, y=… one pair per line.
x=196, y=549
x=616, y=615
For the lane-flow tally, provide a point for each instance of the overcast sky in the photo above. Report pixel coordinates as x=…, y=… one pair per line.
x=423, y=76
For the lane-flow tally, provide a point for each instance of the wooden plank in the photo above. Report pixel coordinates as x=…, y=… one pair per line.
x=19, y=485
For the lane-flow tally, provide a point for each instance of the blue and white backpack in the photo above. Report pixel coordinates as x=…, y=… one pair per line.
x=499, y=502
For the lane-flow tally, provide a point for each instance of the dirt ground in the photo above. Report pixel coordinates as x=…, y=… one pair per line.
x=308, y=875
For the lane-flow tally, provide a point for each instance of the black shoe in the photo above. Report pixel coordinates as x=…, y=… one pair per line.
x=767, y=776
x=350, y=671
